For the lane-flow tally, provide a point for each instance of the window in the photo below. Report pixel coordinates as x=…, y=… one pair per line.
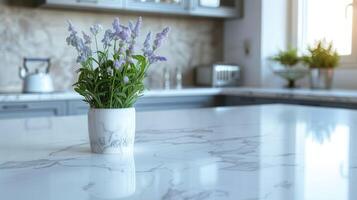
x=332, y=20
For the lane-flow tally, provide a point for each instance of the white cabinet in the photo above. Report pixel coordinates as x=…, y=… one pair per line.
x=157, y=6
x=85, y=4
x=216, y=8
x=32, y=109
x=225, y=9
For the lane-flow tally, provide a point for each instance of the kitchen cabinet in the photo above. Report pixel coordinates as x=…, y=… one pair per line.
x=78, y=107
x=245, y=100
x=157, y=6
x=182, y=102
x=84, y=4
x=32, y=109
x=226, y=8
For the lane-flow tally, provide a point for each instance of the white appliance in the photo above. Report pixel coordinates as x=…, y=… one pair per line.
x=210, y=3
x=218, y=75
x=36, y=81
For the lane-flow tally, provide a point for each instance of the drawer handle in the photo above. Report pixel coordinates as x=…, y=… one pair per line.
x=15, y=107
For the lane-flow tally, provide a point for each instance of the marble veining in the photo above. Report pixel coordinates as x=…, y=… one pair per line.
x=271, y=152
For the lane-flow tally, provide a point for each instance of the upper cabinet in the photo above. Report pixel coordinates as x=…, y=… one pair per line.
x=157, y=6
x=86, y=4
x=216, y=8
x=203, y=8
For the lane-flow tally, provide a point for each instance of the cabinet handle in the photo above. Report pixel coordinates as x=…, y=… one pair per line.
x=87, y=1
x=14, y=107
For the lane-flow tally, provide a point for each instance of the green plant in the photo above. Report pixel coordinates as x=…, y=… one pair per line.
x=321, y=55
x=113, y=77
x=288, y=58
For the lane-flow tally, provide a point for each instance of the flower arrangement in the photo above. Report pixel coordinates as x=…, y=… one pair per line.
x=112, y=76
x=322, y=55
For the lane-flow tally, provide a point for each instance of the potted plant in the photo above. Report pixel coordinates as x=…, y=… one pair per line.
x=290, y=70
x=111, y=80
x=322, y=59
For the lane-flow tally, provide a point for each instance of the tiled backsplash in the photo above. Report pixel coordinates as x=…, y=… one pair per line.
x=27, y=31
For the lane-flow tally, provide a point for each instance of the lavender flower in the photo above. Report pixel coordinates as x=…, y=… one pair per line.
x=87, y=38
x=118, y=64
x=125, y=33
x=126, y=38
x=126, y=79
x=154, y=59
x=148, y=51
x=82, y=47
x=108, y=37
x=147, y=48
x=95, y=29
x=136, y=30
x=131, y=26
x=116, y=25
x=71, y=28
x=160, y=37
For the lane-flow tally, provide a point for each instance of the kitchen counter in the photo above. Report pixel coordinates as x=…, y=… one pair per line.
x=271, y=152
x=346, y=96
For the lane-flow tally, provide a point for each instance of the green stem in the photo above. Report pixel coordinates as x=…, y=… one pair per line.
x=96, y=46
x=115, y=46
x=111, y=94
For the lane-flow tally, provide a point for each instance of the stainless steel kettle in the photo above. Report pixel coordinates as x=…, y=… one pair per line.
x=37, y=81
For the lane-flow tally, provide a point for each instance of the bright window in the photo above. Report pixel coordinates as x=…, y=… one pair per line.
x=331, y=20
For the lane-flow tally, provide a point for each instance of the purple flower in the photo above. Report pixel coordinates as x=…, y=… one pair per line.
x=136, y=30
x=118, y=64
x=125, y=33
x=154, y=59
x=131, y=26
x=160, y=37
x=71, y=27
x=82, y=47
x=108, y=37
x=95, y=29
x=116, y=25
x=126, y=79
x=87, y=38
x=147, y=48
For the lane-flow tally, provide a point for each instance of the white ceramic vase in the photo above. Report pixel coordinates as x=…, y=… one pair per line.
x=112, y=131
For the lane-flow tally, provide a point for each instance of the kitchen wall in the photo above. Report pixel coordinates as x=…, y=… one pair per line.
x=27, y=31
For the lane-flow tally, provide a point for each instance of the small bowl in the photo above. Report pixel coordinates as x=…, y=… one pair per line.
x=291, y=74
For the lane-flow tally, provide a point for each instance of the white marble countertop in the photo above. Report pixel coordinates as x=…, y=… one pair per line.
x=346, y=96
x=272, y=152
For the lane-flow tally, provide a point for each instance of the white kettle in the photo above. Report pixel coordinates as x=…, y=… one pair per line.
x=37, y=81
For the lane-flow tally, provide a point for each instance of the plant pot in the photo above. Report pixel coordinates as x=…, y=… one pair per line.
x=321, y=78
x=112, y=131
x=291, y=74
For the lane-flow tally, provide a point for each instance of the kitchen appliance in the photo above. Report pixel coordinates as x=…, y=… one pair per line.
x=218, y=75
x=36, y=81
x=210, y=3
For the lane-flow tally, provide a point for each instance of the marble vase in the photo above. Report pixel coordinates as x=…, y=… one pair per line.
x=112, y=131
